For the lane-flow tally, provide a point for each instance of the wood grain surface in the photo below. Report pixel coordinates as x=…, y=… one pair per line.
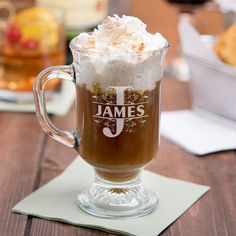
x=29, y=159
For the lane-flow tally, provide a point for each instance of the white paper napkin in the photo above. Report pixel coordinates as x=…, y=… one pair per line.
x=58, y=105
x=197, y=132
x=57, y=201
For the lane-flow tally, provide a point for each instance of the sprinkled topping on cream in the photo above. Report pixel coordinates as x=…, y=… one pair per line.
x=113, y=57
x=121, y=34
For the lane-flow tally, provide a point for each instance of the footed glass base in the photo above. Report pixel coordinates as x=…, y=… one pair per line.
x=117, y=200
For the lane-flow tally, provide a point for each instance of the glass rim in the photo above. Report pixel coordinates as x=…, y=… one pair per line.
x=81, y=50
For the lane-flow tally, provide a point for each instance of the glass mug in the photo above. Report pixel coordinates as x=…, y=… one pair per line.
x=117, y=125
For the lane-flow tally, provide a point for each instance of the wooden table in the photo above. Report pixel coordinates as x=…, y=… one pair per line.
x=29, y=158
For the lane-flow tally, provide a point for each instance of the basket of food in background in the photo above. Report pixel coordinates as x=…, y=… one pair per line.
x=212, y=64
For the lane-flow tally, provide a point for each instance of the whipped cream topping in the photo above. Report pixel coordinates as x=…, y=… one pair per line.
x=122, y=34
x=120, y=52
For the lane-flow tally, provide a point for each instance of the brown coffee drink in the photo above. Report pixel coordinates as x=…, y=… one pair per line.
x=120, y=157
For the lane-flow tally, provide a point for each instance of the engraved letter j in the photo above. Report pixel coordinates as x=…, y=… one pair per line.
x=120, y=91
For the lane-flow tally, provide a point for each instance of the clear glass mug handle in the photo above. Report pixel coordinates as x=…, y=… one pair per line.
x=60, y=72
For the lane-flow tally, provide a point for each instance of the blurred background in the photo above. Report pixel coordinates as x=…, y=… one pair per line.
x=32, y=39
